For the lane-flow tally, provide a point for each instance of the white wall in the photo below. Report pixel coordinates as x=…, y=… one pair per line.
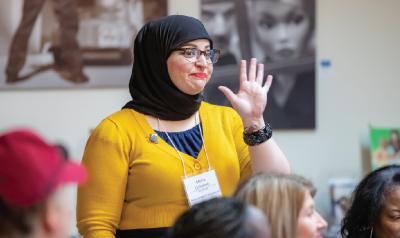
x=361, y=38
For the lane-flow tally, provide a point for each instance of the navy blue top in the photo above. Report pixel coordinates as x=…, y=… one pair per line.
x=188, y=141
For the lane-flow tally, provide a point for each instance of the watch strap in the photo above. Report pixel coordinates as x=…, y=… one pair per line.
x=259, y=136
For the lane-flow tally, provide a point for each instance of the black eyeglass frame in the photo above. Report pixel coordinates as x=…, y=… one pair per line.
x=213, y=53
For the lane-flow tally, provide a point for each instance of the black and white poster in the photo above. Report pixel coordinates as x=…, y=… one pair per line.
x=280, y=34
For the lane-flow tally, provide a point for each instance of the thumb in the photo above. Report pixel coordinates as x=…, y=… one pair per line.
x=228, y=94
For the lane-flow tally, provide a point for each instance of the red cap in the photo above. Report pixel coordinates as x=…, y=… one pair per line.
x=31, y=169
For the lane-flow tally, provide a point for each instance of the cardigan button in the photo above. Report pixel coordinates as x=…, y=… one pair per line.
x=197, y=166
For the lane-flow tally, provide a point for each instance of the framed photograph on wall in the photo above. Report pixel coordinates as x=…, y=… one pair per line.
x=385, y=146
x=82, y=43
x=280, y=34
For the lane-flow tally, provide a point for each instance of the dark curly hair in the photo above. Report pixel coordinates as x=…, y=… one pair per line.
x=216, y=218
x=367, y=201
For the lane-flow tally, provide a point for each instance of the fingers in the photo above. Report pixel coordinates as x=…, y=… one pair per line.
x=243, y=72
x=252, y=69
x=228, y=93
x=256, y=72
x=268, y=83
x=260, y=74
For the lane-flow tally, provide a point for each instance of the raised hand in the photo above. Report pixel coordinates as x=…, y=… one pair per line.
x=251, y=99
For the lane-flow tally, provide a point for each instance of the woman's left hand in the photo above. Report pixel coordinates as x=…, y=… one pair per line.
x=251, y=99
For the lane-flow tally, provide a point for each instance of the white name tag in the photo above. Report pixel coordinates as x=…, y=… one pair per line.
x=201, y=187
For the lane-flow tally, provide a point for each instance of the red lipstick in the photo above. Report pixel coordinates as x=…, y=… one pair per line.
x=200, y=75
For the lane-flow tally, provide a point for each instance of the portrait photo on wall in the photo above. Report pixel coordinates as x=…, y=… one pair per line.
x=385, y=146
x=281, y=35
x=72, y=43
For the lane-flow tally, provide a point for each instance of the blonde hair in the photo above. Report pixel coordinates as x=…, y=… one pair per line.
x=280, y=197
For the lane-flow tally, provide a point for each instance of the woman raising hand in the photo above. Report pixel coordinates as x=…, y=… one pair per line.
x=167, y=149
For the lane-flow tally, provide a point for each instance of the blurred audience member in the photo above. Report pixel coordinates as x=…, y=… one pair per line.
x=221, y=218
x=375, y=206
x=33, y=175
x=288, y=202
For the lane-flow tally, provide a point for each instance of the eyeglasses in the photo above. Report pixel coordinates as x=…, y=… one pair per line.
x=193, y=54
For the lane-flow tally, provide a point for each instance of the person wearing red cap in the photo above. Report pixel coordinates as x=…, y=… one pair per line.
x=33, y=175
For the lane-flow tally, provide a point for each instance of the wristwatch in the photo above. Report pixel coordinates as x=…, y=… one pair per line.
x=259, y=136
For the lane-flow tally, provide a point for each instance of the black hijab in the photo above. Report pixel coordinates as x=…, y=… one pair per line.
x=153, y=93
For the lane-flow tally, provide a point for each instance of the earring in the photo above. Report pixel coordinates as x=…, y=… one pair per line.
x=372, y=231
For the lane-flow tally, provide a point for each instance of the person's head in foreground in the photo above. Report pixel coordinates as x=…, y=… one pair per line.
x=287, y=200
x=375, y=206
x=32, y=175
x=221, y=218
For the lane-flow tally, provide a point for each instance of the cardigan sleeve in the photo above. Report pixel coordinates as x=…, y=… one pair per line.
x=100, y=201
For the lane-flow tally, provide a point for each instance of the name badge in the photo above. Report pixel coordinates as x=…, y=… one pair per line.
x=202, y=187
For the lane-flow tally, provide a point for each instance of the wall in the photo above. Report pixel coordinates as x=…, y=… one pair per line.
x=360, y=89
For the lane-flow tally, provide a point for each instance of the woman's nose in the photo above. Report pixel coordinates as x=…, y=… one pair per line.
x=282, y=33
x=201, y=60
x=321, y=222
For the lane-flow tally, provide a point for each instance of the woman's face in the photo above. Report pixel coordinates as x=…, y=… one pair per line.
x=310, y=223
x=190, y=75
x=281, y=27
x=388, y=224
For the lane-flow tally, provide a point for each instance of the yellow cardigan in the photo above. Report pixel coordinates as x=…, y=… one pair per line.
x=135, y=183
